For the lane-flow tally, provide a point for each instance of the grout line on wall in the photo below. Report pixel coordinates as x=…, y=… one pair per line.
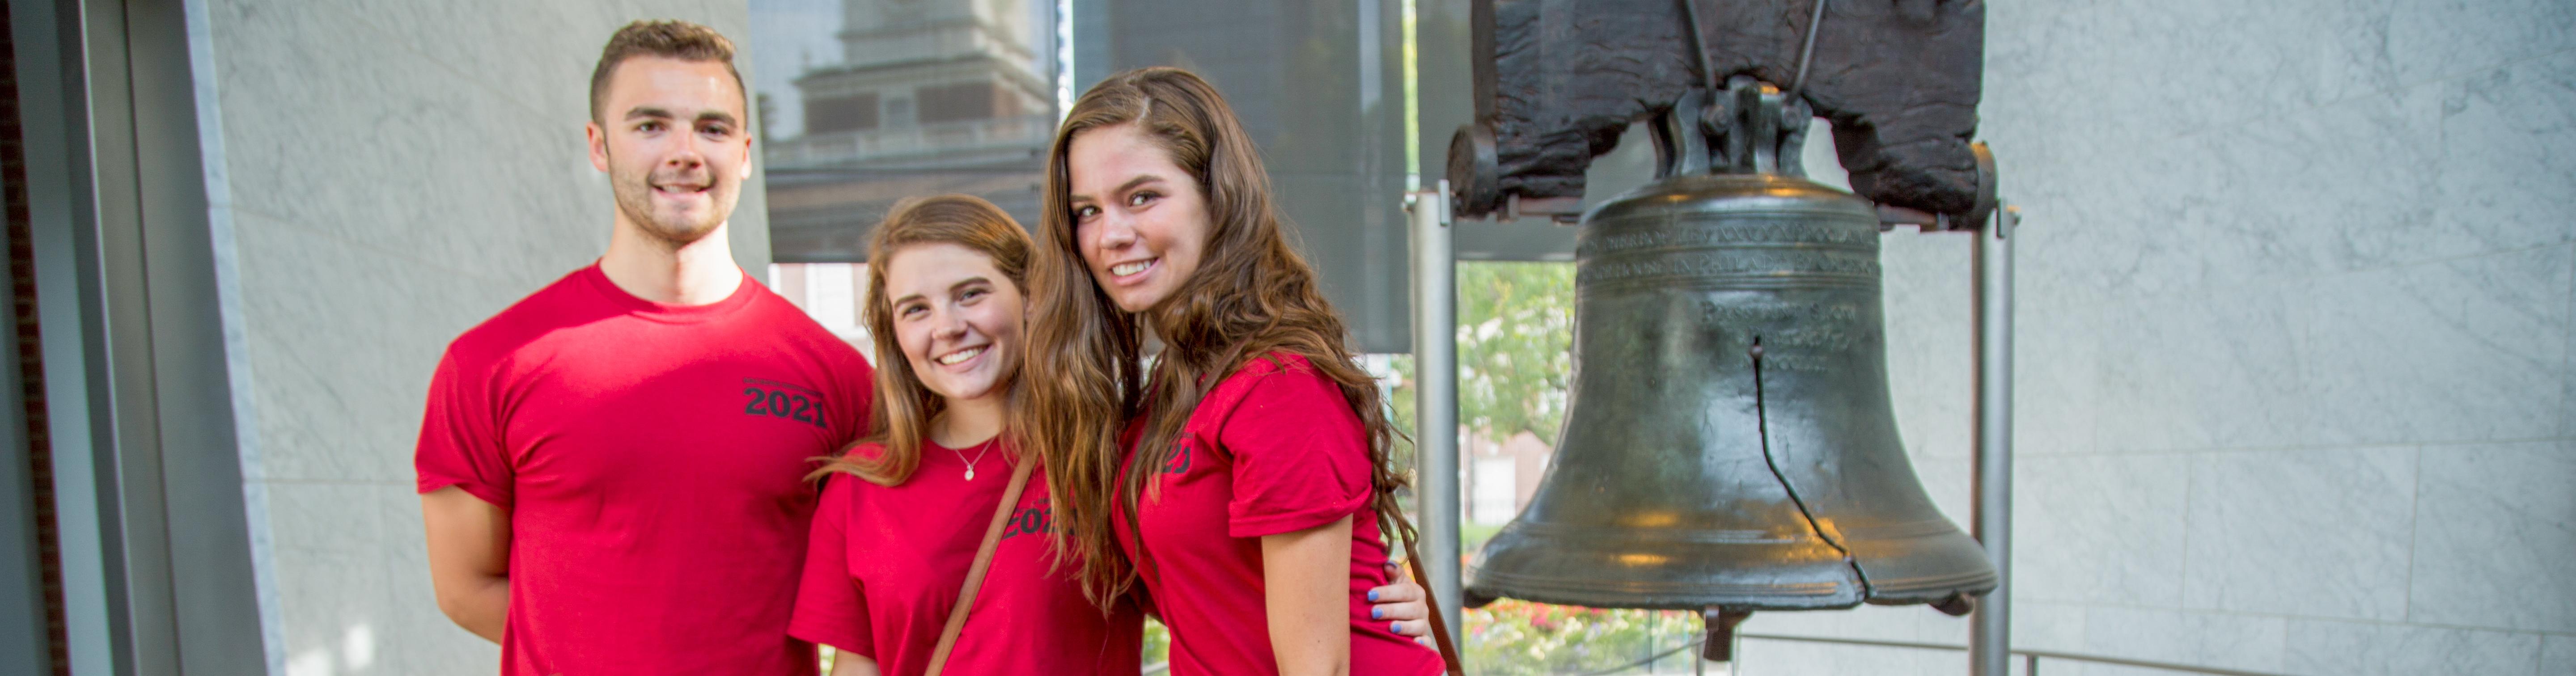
x=2182, y=587
x=2289, y=617
x=2414, y=520
x=335, y=482
x=2436, y=443
x=2567, y=360
x=2384, y=267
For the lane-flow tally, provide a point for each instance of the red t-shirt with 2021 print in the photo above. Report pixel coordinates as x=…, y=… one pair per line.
x=1274, y=448
x=885, y=564
x=652, y=460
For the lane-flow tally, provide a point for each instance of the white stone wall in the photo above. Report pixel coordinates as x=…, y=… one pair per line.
x=391, y=172
x=2297, y=308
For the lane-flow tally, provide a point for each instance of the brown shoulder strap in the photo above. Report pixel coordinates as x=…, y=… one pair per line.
x=983, y=560
x=1439, y=625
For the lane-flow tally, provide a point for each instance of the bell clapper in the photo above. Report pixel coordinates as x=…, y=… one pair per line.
x=1722, y=643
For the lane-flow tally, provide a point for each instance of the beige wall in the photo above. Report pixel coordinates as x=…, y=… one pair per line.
x=392, y=172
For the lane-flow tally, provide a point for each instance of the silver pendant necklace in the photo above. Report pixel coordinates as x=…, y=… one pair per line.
x=970, y=464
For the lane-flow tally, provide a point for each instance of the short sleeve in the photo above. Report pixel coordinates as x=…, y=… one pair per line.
x=1300, y=455
x=460, y=436
x=856, y=384
x=831, y=609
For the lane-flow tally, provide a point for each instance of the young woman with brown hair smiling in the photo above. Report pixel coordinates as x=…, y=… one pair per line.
x=889, y=554
x=1244, y=493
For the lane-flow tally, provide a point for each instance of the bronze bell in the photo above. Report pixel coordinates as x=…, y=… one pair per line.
x=1729, y=442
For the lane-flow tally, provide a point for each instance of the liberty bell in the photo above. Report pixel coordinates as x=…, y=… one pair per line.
x=1729, y=442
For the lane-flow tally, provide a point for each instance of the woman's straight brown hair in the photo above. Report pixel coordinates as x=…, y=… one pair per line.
x=903, y=408
x=1251, y=296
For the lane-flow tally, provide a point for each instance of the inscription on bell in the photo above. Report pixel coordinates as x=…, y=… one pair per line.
x=1783, y=233
x=1725, y=263
x=1804, y=337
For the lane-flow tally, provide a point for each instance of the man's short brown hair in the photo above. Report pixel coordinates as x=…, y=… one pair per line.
x=670, y=39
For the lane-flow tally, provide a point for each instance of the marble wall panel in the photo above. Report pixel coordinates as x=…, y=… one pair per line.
x=2223, y=640
x=2100, y=529
x=2327, y=648
x=556, y=44
x=1787, y=658
x=2317, y=533
x=2058, y=354
x=417, y=159
x=2505, y=159
x=2043, y=625
x=2245, y=199
x=2557, y=655
x=2201, y=366
x=1930, y=346
x=2456, y=350
x=2156, y=69
x=425, y=155
x=2430, y=40
x=341, y=347
x=2492, y=544
x=332, y=592
x=2291, y=274
x=329, y=519
x=429, y=642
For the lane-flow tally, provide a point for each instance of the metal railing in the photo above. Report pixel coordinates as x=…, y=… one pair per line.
x=2030, y=658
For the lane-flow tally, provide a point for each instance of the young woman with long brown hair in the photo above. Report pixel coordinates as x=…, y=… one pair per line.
x=1244, y=492
x=889, y=552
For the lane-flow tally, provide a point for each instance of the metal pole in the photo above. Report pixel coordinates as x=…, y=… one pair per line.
x=1435, y=397
x=1990, y=631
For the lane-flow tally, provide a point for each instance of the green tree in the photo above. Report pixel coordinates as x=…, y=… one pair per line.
x=1515, y=351
x=1515, y=347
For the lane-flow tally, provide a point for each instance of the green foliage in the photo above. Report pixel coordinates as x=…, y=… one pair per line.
x=1515, y=347
x=1513, y=637
x=1158, y=643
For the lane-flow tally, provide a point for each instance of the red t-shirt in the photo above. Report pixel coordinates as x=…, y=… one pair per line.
x=651, y=458
x=885, y=565
x=1273, y=449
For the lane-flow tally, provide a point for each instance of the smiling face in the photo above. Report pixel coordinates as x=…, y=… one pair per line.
x=673, y=144
x=957, y=318
x=1139, y=220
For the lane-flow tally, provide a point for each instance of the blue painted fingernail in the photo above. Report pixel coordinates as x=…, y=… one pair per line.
x=1377, y=613
x=1372, y=598
x=1397, y=627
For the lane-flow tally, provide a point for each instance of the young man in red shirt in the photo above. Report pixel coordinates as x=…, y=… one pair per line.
x=610, y=469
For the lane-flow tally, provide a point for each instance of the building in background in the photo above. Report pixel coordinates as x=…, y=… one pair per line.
x=834, y=294
x=928, y=97
x=1499, y=478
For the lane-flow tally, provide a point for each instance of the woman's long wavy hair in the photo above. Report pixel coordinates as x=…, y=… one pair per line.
x=903, y=408
x=1252, y=295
